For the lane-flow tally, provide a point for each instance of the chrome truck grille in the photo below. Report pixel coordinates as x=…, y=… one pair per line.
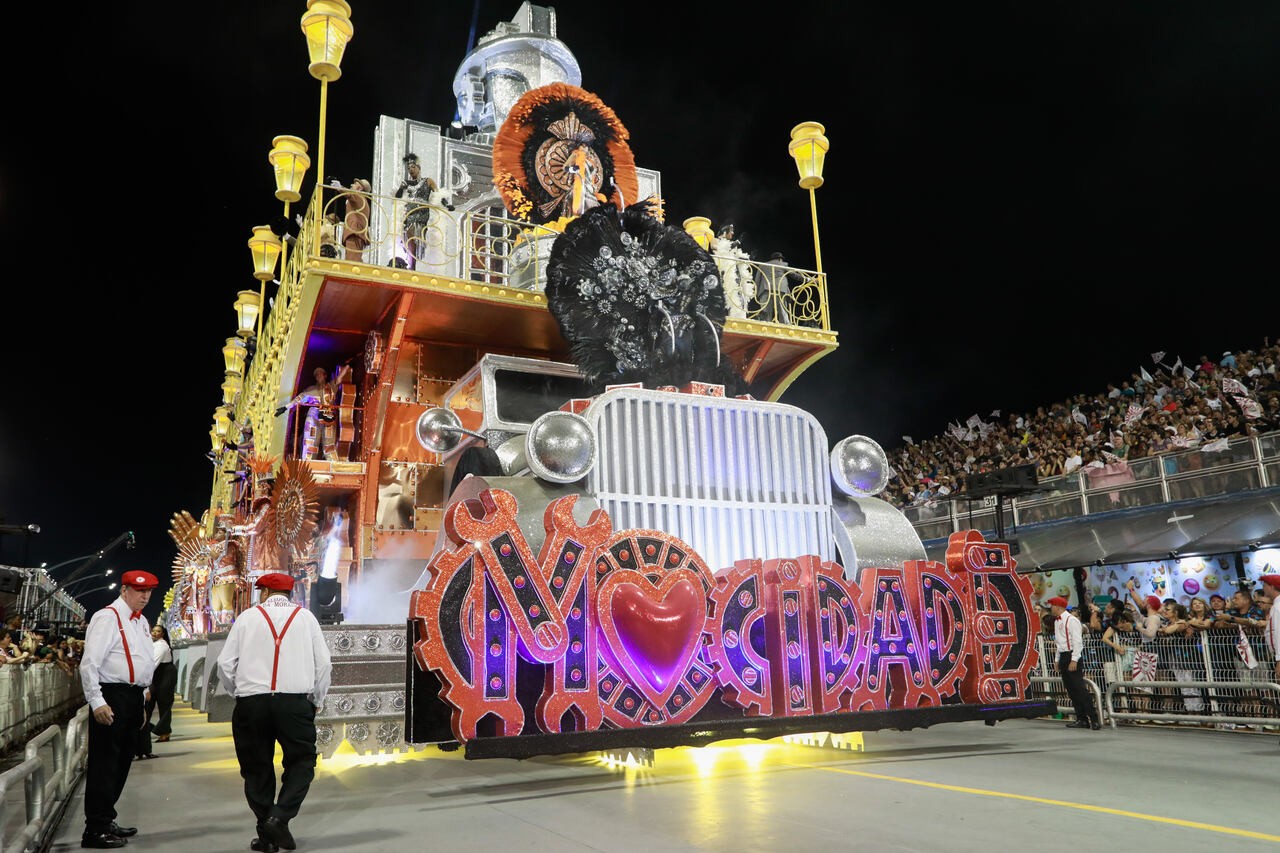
x=733, y=478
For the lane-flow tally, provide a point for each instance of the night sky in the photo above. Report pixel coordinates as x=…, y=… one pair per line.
x=1022, y=201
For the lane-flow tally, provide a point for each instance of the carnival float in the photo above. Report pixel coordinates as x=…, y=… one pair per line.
x=519, y=437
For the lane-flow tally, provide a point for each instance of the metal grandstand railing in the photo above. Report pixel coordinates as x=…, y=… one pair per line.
x=1247, y=463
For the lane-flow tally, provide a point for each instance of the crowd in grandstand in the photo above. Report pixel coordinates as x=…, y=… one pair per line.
x=1169, y=408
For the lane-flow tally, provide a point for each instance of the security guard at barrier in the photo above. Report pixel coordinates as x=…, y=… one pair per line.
x=115, y=671
x=277, y=666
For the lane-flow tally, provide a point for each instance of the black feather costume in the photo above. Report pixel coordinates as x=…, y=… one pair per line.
x=638, y=301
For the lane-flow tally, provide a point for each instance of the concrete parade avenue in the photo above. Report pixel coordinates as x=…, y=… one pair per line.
x=1021, y=784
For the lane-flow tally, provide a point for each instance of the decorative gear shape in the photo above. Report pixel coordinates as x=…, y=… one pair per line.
x=292, y=521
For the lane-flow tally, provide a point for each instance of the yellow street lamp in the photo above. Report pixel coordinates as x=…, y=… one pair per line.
x=265, y=247
x=289, y=159
x=233, y=355
x=247, y=305
x=215, y=440
x=808, y=147
x=699, y=228
x=232, y=383
x=327, y=26
x=221, y=421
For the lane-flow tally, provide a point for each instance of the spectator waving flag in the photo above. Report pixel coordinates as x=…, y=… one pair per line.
x=1250, y=408
x=1216, y=446
x=1078, y=416
x=1187, y=372
x=1134, y=412
x=908, y=440
x=1157, y=357
x=1244, y=650
x=1233, y=387
x=1146, y=377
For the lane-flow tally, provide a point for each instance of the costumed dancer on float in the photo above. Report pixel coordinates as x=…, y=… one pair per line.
x=423, y=196
x=735, y=272
x=320, y=432
x=115, y=672
x=276, y=664
x=227, y=583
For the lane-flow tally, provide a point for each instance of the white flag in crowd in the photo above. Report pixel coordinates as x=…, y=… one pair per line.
x=1176, y=365
x=974, y=422
x=1187, y=372
x=908, y=440
x=1157, y=357
x=1135, y=411
x=1245, y=651
x=1146, y=377
x=1233, y=386
x=1078, y=416
x=995, y=413
x=956, y=431
x=1250, y=408
x=1215, y=446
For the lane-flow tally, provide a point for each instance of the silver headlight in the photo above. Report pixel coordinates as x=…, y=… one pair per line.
x=859, y=466
x=560, y=447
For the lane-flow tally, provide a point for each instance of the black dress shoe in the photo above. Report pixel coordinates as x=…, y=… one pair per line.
x=1095, y=725
x=262, y=846
x=276, y=831
x=1080, y=724
x=101, y=840
x=123, y=831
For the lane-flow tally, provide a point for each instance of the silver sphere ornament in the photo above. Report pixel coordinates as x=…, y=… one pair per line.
x=560, y=447
x=859, y=466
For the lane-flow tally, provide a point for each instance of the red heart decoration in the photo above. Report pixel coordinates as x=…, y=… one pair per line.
x=652, y=631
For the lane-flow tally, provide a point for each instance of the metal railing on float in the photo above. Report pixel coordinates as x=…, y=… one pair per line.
x=1198, y=680
x=482, y=243
x=1245, y=464
x=53, y=762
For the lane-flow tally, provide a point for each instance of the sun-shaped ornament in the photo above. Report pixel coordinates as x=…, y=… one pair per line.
x=291, y=524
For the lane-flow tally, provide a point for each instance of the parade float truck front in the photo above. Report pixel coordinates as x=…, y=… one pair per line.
x=650, y=568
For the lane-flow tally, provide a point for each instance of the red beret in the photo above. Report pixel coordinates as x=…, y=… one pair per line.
x=276, y=580
x=139, y=580
x=1058, y=601
x=1154, y=602
x=1271, y=580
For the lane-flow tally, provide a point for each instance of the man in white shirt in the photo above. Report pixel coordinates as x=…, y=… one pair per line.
x=114, y=672
x=277, y=666
x=1069, y=635
x=1271, y=589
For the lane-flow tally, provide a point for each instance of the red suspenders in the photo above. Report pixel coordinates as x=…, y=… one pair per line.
x=275, y=664
x=128, y=656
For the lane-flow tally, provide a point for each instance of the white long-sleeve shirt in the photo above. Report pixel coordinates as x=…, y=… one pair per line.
x=105, y=660
x=163, y=653
x=1273, y=631
x=249, y=656
x=1069, y=634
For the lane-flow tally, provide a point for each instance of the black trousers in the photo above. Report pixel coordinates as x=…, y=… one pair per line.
x=110, y=755
x=1077, y=690
x=163, y=685
x=258, y=723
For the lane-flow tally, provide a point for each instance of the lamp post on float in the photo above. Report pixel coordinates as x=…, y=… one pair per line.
x=289, y=161
x=265, y=247
x=327, y=27
x=808, y=147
